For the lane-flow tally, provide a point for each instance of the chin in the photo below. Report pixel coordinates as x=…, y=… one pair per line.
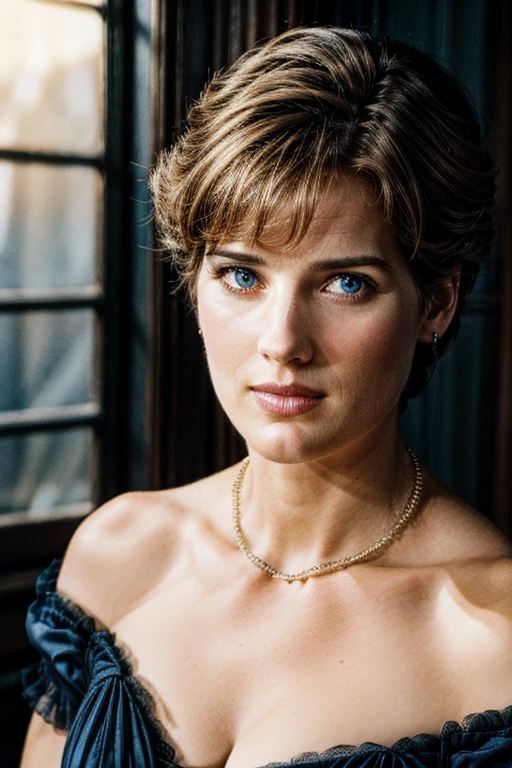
x=292, y=443
x=302, y=441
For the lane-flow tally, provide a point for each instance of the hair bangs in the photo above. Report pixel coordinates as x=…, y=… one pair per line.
x=264, y=191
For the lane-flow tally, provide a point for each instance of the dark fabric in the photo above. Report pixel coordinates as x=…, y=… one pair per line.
x=84, y=685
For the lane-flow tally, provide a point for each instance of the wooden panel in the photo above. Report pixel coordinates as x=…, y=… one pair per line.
x=504, y=426
x=13, y=636
x=34, y=544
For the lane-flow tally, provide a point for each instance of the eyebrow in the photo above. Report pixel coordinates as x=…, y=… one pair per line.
x=325, y=265
x=243, y=258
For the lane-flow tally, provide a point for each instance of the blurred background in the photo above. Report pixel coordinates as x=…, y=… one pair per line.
x=103, y=386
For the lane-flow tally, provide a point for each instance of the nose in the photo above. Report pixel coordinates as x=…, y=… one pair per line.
x=286, y=330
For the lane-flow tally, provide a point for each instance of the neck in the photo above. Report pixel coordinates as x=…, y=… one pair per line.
x=294, y=516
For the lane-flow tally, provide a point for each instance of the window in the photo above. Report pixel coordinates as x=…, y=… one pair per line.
x=52, y=163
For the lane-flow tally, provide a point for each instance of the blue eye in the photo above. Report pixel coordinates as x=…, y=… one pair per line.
x=244, y=278
x=348, y=284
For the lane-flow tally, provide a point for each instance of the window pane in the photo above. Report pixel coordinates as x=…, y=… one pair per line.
x=51, y=62
x=47, y=358
x=49, y=226
x=45, y=469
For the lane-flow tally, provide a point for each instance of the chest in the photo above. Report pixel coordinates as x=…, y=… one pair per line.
x=242, y=684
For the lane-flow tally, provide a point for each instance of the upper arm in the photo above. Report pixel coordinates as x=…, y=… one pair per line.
x=44, y=745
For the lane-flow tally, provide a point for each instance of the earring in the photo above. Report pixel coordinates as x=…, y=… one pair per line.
x=200, y=332
x=435, y=339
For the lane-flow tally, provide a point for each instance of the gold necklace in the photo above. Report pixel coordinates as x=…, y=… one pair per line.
x=343, y=562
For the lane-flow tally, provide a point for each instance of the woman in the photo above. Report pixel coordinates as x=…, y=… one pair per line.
x=328, y=207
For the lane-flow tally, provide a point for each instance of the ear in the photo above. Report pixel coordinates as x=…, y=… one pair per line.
x=439, y=310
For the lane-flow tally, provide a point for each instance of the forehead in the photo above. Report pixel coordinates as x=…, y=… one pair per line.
x=349, y=213
x=346, y=221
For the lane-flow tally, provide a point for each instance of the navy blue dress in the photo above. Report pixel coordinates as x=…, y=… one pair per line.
x=84, y=684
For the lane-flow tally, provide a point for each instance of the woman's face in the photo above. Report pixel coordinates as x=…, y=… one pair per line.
x=309, y=349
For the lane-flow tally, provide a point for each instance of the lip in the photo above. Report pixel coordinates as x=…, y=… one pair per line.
x=286, y=399
x=287, y=390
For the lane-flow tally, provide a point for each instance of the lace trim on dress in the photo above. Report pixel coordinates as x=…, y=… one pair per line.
x=490, y=721
x=48, y=701
x=39, y=689
x=140, y=693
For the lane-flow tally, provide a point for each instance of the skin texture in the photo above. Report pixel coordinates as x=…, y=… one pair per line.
x=244, y=669
x=297, y=324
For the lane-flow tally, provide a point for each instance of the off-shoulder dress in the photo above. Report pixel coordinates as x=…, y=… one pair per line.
x=84, y=684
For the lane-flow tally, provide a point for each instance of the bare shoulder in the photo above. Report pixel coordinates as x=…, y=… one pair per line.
x=452, y=531
x=464, y=553
x=123, y=550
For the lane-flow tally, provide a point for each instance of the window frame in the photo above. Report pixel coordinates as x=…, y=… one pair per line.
x=109, y=300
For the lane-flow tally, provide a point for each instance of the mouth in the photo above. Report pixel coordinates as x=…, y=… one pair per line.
x=286, y=399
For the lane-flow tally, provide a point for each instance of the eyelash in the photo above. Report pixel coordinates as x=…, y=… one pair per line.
x=219, y=273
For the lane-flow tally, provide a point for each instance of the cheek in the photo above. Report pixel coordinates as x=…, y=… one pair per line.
x=228, y=342
x=225, y=352
x=379, y=346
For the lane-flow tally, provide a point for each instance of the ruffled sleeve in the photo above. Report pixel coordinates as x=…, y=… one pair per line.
x=55, y=686
x=83, y=684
